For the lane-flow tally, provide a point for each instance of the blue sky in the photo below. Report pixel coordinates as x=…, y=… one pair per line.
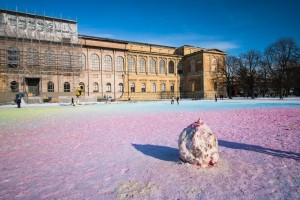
x=234, y=26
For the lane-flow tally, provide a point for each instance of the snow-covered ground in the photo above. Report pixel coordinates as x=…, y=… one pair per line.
x=130, y=151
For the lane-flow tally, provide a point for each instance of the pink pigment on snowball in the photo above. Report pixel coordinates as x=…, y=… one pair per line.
x=198, y=145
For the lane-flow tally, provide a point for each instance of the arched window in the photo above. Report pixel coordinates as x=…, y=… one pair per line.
x=143, y=87
x=142, y=65
x=172, y=87
x=162, y=87
x=107, y=63
x=132, y=87
x=108, y=87
x=152, y=66
x=171, y=67
x=119, y=63
x=81, y=60
x=66, y=87
x=95, y=62
x=32, y=57
x=49, y=58
x=83, y=86
x=153, y=87
x=66, y=60
x=179, y=68
x=162, y=67
x=14, y=86
x=193, y=66
x=13, y=57
x=95, y=87
x=131, y=64
x=120, y=87
x=50, y=86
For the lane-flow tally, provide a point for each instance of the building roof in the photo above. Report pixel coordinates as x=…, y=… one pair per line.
x=122, y=41
x=218, y=50
x=36, y=16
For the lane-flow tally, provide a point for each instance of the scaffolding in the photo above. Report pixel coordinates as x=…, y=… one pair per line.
x=28, y=52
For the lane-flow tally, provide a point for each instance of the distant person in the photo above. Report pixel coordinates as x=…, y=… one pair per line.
x=72, y=102
x=280, y=96
x=216, y=98
x=177, y=99
x=172, y=100
x=19, y=102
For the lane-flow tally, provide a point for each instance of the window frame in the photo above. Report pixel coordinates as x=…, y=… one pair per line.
x=95, y=87
x=172, y=87
x=162, y=87
x=67, y=87
x=152, y=66
x=132, y=87
x=143, y=65
x=171, y=67
x=108, y=87
x=13, y=57
x=49, y=58
x=119, y=63
x=131, y=65
x=95, y=62
x=107, y=65
x=120, y=87
x=32, y=57
x=153, y=87
x=143, y=87
x=81, y=61
x=162, y=66
x=50, y=86
x=66, y=61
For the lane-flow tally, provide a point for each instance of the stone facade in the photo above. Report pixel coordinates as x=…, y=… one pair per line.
x=118, y=69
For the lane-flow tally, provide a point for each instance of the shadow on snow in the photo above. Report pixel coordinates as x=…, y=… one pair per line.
x=159, y=152
x=260, y=149
x=172, y=154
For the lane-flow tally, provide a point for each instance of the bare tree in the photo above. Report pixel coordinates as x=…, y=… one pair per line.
x=229, y=74
x=219, y=75
x=248, y=66
x=280, y=57
x=226, y=75
x=263, y=76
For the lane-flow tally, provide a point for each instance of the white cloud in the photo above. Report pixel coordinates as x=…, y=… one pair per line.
x=174, y=40
x=204, y=41
x=222, y=45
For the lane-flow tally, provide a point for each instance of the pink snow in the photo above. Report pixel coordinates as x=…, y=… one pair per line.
x=95, y=152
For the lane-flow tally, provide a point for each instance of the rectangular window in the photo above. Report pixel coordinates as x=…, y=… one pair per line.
x=13, y=57
x=143, y=88
x=108, y=87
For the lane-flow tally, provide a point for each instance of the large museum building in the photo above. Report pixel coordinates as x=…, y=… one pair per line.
x=45, y=58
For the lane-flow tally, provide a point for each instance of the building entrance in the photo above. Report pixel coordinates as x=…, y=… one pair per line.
x=33, y=86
